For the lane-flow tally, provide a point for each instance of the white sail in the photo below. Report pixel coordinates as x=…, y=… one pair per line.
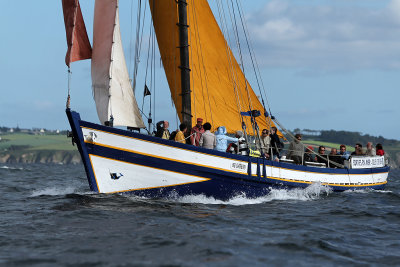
x=112, y=90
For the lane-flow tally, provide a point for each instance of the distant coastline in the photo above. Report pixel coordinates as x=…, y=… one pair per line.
x=53, y=157
x=37, y=146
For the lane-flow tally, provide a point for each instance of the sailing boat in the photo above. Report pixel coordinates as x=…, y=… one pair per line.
x=205, y=81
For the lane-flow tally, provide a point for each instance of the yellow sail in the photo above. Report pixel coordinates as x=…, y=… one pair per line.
x=219, y=89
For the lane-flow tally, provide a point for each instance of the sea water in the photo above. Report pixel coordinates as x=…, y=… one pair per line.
x=50, y=218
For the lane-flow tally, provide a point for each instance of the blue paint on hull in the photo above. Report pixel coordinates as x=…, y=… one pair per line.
x=222, y=184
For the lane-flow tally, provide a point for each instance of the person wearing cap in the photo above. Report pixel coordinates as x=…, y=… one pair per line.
x=308, y=155
x=196, y=132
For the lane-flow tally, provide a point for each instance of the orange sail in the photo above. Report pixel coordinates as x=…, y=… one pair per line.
x=77, y=39
x=219, y=89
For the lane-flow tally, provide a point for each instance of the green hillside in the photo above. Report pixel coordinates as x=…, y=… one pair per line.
x=30, y=142
x=30, y=148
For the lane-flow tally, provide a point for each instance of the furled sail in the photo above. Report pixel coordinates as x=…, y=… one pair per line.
x=112, y=90
x=77, y=39
x=219, y=88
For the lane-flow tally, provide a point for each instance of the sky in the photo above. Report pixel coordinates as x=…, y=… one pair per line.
x=325, y=64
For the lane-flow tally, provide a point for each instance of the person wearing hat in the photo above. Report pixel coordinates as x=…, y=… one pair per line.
x=196, y=132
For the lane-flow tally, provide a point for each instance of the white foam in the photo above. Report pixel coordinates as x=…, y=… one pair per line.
x=383, y=191
x=53, y=191
x=366, y=191
x=312, y=192
x=10, y=168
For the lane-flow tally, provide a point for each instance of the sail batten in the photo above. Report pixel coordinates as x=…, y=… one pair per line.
x=112, y=89
x=79, y=47
x=219, y=88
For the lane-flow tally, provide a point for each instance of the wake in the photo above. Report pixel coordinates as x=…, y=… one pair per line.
x=55, y=191
x=312, y=192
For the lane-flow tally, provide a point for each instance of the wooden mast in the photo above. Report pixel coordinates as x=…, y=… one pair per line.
x=185, y=68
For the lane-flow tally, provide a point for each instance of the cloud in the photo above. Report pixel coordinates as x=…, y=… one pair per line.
x=394, y=9
x=329, y=38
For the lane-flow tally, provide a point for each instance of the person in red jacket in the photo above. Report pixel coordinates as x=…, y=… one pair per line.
x=196, y=132
x=379, y=150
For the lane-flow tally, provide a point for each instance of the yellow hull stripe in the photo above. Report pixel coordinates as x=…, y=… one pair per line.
x=331, y=184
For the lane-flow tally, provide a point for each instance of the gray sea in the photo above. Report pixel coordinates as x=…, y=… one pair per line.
x=48, y=217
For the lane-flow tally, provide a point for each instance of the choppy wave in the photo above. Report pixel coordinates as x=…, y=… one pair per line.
x=11, y=168
x=314, y=191
x=54, y=191
x=366, y=191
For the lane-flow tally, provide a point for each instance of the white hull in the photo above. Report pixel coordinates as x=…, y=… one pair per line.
x=121, y=161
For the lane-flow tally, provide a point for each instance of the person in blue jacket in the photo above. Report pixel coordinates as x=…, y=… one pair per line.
x=223, y=139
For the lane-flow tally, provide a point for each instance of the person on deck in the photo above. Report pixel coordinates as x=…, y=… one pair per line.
x=180, y=136
x=335, y=158
x=345, y=154
x=296, y=150
x=358, y=150
x=322, y=157
x=308, y=155
x=207, y=139
x=379, y=150
x=222, y=139
x=162, y=130
x=276, y=145
x=196, y=132
x=370, y=150
x=235, y=148
x=265, y=142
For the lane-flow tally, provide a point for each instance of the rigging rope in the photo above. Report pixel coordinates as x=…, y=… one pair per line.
x=147, y=67
x=68, y=104
x=249, y=42
x=174, y=95
x=192, y=88
x=232, y=72
x=202, y=68
x=153, y=72
x=236, y=31
x=137, y=46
